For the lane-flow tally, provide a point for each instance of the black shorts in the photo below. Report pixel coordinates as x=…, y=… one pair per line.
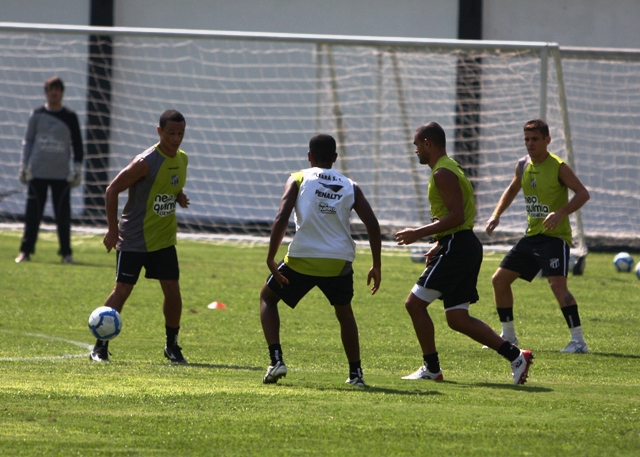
x=538, y=252
x=161, y=264
x=337, y=289
x=453, y=270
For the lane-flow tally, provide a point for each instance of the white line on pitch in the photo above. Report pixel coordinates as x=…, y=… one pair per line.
x=49, y=337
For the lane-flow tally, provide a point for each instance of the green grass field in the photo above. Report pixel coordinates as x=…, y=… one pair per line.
x=55, y=402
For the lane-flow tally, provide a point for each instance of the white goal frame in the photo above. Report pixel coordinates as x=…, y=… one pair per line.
x=388, y=70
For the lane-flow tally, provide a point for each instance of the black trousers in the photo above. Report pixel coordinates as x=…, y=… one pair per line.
x=36, y=200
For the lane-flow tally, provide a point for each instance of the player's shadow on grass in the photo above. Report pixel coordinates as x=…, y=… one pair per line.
x=370, y=389
x=615, y=355
x=218, y=367
x=76, y=263
x=522, y=387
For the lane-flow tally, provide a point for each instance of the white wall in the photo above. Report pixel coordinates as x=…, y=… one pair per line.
x=69, y=12
x=593, y=23
x=405, y=18
x=590, y=23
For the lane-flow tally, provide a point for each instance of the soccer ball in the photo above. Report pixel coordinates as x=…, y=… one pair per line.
x=577, y=264
x=105, y=323
x=623, y=262
x=417, y=256
x=638, y=270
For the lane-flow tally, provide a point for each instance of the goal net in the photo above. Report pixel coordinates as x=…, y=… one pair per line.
x=253, y=101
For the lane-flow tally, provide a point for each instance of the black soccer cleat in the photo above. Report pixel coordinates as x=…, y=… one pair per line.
x=174, y=353
x=100, y=354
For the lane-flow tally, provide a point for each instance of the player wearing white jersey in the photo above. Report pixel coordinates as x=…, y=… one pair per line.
x=320, y=254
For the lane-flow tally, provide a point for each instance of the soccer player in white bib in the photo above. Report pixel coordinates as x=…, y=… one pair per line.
x=145, y=236
x=321, y=253
x=453, y=264
x=545, y=180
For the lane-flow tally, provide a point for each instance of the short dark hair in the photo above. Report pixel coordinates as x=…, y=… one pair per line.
x=434, y=133
x=537, y=125
x=322, y=147
x=54, y=81
x=171, y=115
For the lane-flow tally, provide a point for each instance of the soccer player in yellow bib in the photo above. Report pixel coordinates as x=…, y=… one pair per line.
x=453, y=264
x=545, y=180
x=146, y=234
x=320, y=254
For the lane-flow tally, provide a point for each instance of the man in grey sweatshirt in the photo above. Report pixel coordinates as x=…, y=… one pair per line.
x=52, y=134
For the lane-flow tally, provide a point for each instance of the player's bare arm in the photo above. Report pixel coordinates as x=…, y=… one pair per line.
x=449, y=187
x=182, y=199
x=505, y=201
x=569, y=179
x=364, y=211
x=279, y=228
x=133, y=173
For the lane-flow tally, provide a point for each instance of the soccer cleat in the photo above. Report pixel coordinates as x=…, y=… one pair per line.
x=67, y=259
x=275, y=372
x=424, y=373
x=520, y=366
x=100, y=354
x=356, y=382
x=514, y=342
x=174, y=353
x=576, y=347
x=23, y=257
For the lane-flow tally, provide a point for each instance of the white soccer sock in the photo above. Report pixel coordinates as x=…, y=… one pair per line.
x=508, y=331
x=576, y=334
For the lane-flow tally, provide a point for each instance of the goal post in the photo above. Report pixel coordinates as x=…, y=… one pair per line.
x=252, y=101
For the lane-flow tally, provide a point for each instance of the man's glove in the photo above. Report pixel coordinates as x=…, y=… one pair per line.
x=24, y=175
x=75, y=176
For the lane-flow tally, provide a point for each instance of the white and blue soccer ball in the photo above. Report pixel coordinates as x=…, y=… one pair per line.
x=638, y=270
x=417, y=256
x=623, y=262
x=105, y=323
x=577, y=264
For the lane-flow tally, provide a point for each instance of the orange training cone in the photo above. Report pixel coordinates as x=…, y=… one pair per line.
x=216, y=305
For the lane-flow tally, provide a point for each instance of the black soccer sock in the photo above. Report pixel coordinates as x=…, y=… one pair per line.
x=505, y=314
x=101, y=343
x=571, y=315
x=432, y=362
x=275, y=352
x=355, y=371
x=509, y=351
x=172, y=335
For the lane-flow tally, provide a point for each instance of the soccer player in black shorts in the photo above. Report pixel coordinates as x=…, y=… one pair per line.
x=545, y=180
x=146, y=234
x=453, y=263
x=320, y=254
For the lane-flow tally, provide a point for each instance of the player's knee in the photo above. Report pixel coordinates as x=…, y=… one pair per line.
x=454, y=322
x=414, y=305
x=500, y=281
x=559, y=288
x=344, y=312
x=122, y=289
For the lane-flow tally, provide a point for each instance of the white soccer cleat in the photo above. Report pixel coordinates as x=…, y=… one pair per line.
x=424, y=373
x=23, y=257
x=576, y=347
x=520, y=367
x=356, y=382
x=275, y=372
